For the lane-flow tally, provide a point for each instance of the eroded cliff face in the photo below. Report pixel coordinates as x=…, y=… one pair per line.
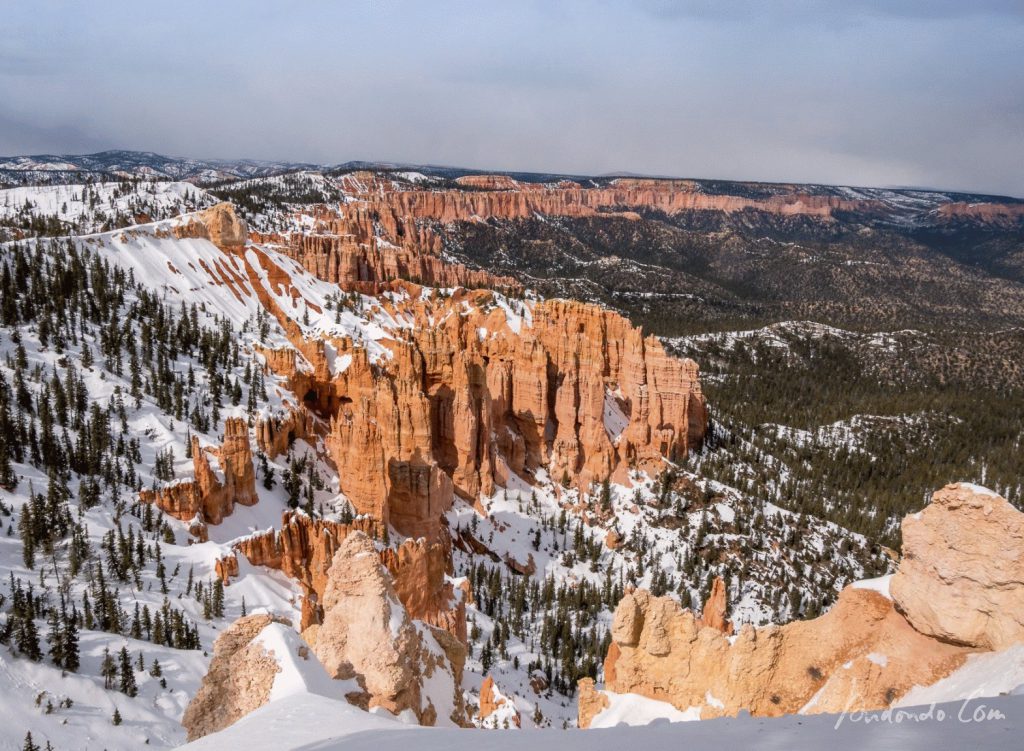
x=212, y=495
x=386, y=231
x=957, y=590
x=474, y=392
x=471, y=388
x=861, y=654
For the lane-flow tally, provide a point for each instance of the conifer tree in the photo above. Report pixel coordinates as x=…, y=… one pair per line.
x=128, y=685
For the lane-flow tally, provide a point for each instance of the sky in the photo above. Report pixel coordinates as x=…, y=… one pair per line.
x=925, y=93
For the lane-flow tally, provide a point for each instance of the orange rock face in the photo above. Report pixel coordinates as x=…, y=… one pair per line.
x=219, y=224
x=860, y=654
x=715, y=608
x=384, y=233
x=471, y=393
x=211, y=495
x=368, y=635
x=454, y=411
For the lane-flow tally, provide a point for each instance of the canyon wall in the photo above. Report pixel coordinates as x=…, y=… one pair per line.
x=304, y=549
x=386, y=231
x=474, y=392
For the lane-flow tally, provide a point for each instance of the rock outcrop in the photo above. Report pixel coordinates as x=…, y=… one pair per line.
x=714, y=614
x=366, y=634
x=961, y=578
x=219, y=224
x=862, y=653
x=223, y=477
x=496, y=710
x=239, y=680
x=454, y=411
x=589, y=701
x=958, y=589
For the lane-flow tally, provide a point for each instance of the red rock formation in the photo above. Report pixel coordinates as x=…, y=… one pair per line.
x=219, y=224
x=492, y=700
x=957, y=590
x=304, y=549
x=385, y=232
x=209, y=497
x=275, y=434
x=1006, y=215
x=454, y=412
x=499, y=197
x=367, y=634
x=715, y=608
x=861, y=654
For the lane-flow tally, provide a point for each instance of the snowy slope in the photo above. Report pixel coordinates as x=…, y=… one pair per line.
x=317, y=724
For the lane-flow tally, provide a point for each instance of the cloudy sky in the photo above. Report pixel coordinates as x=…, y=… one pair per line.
x=869, y=92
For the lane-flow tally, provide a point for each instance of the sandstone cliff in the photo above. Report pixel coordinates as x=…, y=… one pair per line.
x=454, y=411
x=387, y=232
x=474, y=388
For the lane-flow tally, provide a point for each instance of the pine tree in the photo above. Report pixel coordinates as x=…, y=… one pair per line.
x=108, y=669
x=128, y=685
x=72, y=660
x=116, y=719
x=26, y=528
x=29, y=744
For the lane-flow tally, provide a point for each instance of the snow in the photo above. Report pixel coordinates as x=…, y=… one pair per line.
x=978, y=489
x=880, y=585
x=987, y=674
x=878, y=659
x=633, y=709
x=298, y=674
x=615, y=420
x=315, y=723
x=299, y=721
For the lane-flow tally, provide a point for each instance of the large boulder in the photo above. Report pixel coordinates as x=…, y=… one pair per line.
x=219, y=224
x=961, y=578
x=240, y=678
